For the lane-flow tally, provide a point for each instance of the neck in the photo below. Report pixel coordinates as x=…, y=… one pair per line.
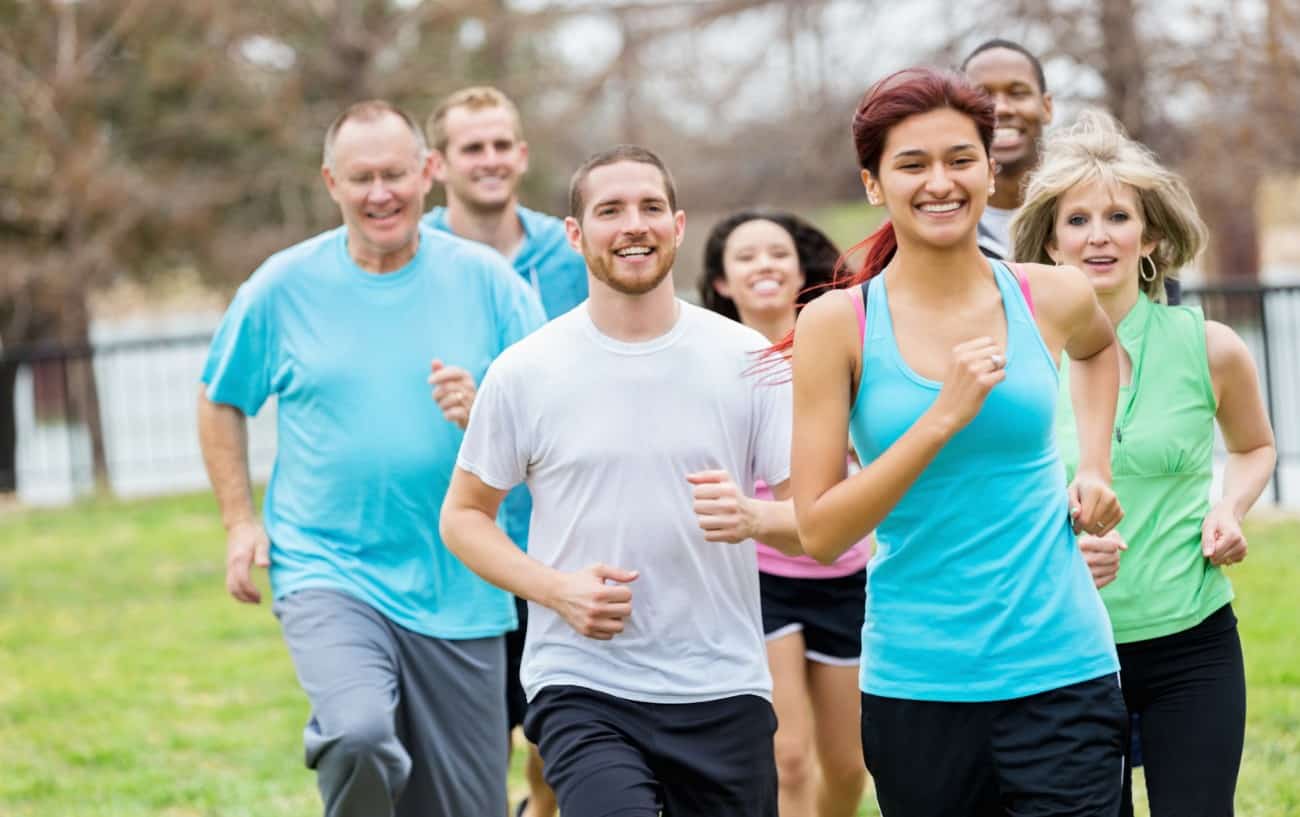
x=773, y=326
x=632, y=318
x=1117, y=305
x=500, y=228
x=937, y=275
x=1008, y=193
x=379, y=262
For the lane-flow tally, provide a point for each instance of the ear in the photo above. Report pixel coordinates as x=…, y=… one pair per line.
x=426, y=173
x=721, y=287
x=1047, y=108
x=523, y=158
x=573, y=231
x=1053, y=252
x=679, y=227
x=872, y=185
x=1149, y=247
x=438, y=166
x=330, y=183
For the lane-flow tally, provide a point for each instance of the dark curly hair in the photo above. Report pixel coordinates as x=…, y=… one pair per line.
x=819, y=258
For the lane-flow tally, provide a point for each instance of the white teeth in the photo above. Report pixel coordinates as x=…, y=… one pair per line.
x=1004, y=137
x=946, y=207
x=629, y=251
x=766, y=286
x=1101, y=259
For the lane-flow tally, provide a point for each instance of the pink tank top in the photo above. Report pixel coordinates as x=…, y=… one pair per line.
x=775, y=563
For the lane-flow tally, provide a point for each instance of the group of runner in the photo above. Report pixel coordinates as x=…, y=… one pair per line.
x=1006, y=437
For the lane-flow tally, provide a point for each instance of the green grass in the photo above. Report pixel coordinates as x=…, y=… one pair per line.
x=130, y=684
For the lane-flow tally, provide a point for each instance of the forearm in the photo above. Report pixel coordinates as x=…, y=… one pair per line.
x=223, y=439
x=1245, y=476
x=854, y=507
x=775, y=525
x=1094, y=388
x=479, y=542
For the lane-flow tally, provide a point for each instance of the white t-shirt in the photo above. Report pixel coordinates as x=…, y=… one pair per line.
x=604, y=433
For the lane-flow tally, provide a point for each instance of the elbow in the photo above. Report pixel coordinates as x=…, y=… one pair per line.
x=823, y=551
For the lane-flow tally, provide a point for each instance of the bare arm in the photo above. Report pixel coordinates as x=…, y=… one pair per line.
x=223, y=438
x=1070, y=315
x=468, y=527
x=726, y=514
x=1249, y=438
x=833, y=512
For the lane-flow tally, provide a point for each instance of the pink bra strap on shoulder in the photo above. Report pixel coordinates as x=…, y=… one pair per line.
x=855, y=295
x=1024, y=287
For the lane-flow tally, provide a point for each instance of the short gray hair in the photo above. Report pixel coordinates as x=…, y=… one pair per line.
x=369, y=111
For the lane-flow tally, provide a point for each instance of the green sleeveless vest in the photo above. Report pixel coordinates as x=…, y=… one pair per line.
x=1162, y=457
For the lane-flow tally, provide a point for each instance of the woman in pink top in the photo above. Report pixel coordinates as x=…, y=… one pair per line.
x=758, y=266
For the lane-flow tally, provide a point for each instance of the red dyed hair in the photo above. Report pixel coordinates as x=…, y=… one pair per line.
x=900, y=95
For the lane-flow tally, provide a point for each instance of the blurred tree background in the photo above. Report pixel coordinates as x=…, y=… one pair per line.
x=143, y=139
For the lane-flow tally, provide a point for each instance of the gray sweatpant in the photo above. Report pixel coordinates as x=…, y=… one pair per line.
x=402, y=724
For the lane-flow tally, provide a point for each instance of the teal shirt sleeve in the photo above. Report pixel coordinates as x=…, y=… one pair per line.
x=239, y=368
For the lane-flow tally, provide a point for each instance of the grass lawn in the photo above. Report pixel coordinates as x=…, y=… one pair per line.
x=131, y=685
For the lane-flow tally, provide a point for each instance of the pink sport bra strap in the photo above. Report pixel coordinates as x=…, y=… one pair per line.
x=1024, y=287
x=859, y=307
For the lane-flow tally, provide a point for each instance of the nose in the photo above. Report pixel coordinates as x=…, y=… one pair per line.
x=378, y=189
x=1001, y=105
x=1097, y=233
x=937, y=182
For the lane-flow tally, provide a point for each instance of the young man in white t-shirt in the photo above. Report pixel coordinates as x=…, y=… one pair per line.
x=632, y=419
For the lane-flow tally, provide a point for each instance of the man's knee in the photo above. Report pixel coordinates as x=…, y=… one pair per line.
x=362, y=742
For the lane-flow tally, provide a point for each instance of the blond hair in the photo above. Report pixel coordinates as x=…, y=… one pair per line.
x=1095, y=148
x=475, y=98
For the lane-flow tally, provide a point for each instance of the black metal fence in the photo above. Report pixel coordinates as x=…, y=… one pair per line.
x=121, y=414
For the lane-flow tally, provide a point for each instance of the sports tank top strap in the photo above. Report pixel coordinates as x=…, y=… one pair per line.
x=1024, y=287
x=1022, y=328
x=858, y=296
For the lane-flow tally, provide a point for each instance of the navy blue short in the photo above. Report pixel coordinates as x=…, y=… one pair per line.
x=827, y=611
x=610, y=757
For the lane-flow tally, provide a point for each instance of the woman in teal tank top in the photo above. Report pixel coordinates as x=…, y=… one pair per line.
x=988, y=674
x=1100, y=202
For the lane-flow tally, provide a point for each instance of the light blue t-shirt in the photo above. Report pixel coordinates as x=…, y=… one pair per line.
x=364, y=456
x=558, y=274
x=977, y=590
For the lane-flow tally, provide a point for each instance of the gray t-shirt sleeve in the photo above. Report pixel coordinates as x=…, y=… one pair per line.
x=494, y=448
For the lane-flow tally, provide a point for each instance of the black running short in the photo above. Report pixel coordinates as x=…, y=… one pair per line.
x=827, y=611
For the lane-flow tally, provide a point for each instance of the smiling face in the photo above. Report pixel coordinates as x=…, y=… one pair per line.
x=1021, y=107
x=934, y=178
x=378, y=175
x=484, y=159
x=627, y=233
x=1099, y=229
x=761, y=272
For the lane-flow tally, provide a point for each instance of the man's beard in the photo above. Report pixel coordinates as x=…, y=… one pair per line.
x=602, y=267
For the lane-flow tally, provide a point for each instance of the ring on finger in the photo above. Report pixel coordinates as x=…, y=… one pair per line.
x=997, y=360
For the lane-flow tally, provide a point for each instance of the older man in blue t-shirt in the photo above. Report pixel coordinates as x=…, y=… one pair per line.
x=392, y=638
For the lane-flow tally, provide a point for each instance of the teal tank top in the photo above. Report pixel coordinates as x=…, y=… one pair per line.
x=977, y=590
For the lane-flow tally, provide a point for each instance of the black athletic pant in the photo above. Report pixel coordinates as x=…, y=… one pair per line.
x=1190, y=690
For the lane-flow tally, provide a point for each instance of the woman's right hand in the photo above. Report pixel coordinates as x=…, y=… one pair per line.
x=976, y=367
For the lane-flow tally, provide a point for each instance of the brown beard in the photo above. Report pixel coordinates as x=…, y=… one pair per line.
x=601, y=266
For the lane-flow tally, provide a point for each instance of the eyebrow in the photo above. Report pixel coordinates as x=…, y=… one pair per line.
x=918, y=152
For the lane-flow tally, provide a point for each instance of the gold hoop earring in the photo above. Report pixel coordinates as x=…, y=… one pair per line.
x=1142, y=271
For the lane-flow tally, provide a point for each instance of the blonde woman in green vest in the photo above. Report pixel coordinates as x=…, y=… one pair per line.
x=1101, y=202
